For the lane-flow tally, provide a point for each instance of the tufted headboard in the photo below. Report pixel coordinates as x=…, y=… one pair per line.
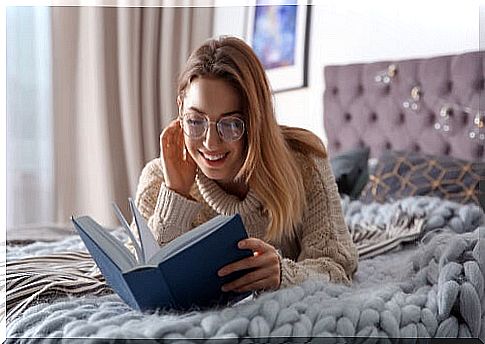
x=361, y=107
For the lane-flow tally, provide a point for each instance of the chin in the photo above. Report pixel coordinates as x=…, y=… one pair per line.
x=216, y=175
x=221, y=173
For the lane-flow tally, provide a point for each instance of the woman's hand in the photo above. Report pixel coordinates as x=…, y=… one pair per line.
x=177, y=164
x=266, y=265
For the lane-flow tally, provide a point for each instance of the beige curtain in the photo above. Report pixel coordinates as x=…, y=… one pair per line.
x=114, y=82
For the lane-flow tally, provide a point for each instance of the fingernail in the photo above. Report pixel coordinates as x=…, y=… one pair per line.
x=221, y=273
x=241, y=245
x=224, y=288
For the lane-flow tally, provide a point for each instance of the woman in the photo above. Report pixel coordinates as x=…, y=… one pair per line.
x=226, y=154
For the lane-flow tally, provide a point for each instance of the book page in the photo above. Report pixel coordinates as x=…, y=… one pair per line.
x=114, y=249
x=139, y=254
x=149, y=245
x=189, y=238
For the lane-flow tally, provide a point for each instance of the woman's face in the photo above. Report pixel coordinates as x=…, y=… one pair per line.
x=215, y=98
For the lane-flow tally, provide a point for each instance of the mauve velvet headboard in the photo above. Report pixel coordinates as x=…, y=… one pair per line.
x=360, y=111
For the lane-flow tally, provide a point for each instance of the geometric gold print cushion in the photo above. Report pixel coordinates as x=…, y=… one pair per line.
x=401, y=174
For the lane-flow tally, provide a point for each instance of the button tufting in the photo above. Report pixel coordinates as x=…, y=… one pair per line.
x=360, y=89
x=388, y=145
x=447, y=149
x=416, y=148
x=373, y=117
x=479, y=152
x=335, y=91
x=449, y=86
x=431, y=118
x=347, y=117
x=402, y=118
x=480, y=84
x=337, y=144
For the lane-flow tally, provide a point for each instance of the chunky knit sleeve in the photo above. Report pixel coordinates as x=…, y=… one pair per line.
x=327, y=250
x=167, y=213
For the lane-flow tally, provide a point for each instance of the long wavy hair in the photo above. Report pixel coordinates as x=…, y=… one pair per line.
x=270, y=167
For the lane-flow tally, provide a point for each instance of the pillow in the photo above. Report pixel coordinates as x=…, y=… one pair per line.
x=481, y=194
x=372, y=165
x=351, y=171
x=400, y=174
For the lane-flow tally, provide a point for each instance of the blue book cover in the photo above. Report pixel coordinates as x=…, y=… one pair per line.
x=181, y=275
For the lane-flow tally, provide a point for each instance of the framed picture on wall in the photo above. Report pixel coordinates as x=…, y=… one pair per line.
x=279, y=36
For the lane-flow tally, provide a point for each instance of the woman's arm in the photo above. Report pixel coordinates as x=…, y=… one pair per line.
x=326, y=245
x=167, y=213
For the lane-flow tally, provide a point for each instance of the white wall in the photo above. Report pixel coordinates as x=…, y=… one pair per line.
x=365, y=31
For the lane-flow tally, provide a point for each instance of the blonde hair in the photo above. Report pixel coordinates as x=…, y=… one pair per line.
x=270, y=167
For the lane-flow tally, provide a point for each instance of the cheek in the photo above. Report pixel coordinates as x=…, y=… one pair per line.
x=191, y=146
x=239, y=149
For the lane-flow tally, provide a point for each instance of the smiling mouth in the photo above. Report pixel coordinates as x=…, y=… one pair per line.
x=214, y=157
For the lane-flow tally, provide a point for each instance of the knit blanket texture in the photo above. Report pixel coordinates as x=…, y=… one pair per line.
x=432, y=287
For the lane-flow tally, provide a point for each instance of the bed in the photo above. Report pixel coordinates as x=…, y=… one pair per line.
x=422, y=249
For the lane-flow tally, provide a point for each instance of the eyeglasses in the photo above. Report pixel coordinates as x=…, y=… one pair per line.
x=229, y=128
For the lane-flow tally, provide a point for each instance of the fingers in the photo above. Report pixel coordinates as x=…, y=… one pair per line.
x=172, y=142
x=255, y=261
x=261, y=285
x=265, y=264
x=172, y=135
x=259, y=248
x=254, y=244
x=178, y=167
x=265, y=278
x=243, y=264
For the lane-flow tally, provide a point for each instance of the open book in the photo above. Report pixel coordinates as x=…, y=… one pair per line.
x=180, y=275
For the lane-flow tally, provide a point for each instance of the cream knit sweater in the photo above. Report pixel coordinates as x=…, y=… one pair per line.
x=323, y=247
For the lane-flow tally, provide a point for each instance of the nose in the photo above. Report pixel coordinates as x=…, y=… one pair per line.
x=212, y=138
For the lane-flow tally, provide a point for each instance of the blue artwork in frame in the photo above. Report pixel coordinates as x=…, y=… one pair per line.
x=278, y=35
x=274, y=35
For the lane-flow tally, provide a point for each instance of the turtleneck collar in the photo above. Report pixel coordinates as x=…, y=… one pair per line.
x=224, y=203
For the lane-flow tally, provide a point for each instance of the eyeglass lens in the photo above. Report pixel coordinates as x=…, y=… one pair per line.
x=229, y=128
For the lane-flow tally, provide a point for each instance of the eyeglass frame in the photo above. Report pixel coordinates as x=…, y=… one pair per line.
x=209, y=122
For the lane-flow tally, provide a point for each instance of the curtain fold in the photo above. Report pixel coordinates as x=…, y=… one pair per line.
x=114, y=85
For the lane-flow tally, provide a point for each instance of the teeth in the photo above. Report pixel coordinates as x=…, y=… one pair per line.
x=214, y=157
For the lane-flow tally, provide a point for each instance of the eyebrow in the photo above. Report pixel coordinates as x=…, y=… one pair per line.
x=223, y=114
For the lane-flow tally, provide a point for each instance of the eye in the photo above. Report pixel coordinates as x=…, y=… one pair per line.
x=194, y=119
x=232, y=123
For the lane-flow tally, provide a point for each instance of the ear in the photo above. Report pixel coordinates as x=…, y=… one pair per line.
x=179, y=106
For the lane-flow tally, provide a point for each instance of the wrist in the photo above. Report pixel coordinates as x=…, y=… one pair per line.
x=181, y=192
x=280, y=259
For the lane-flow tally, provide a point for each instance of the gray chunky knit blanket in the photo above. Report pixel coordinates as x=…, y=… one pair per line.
x=433, y=287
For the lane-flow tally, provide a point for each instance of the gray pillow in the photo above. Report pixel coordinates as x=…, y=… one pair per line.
x=351, y=171
x=401, y=174
x=481, y=193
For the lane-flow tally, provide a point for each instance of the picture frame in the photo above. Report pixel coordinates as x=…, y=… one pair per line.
x=279, y=35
